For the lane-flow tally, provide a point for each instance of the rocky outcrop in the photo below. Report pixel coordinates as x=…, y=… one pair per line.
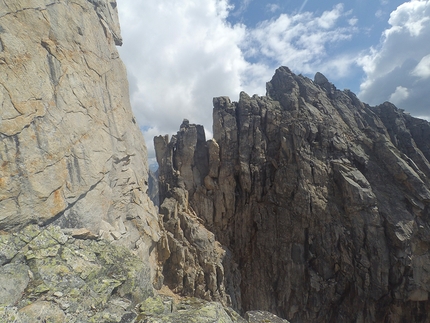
x=55, y=275
x=72, y=275
x=80, y=240
x=322, y=200
x=164, y=309
x=70, y=149
x=193, y=261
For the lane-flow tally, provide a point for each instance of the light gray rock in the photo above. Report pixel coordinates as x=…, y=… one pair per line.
x=14, y=278
x=58, y=278
x=70, y=149
x=263, y=317
x=162, y=309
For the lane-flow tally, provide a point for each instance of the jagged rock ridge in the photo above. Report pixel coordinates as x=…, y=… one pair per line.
x=322, y=200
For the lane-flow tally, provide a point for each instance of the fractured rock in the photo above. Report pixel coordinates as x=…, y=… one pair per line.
x=70, y=149
x=323, y=201
x=52, y=274
x=194, y=261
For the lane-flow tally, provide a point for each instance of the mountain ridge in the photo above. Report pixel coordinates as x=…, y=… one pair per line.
x=307, y=203
x=322, y=200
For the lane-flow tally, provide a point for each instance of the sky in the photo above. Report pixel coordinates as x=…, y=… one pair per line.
x=180, y=54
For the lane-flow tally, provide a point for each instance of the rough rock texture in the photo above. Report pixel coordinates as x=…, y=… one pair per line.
x=323, y=201
x=193, y=261
x=80, y=240
x=188, y=310
x=48, y=275
x=70, y=149
x=71, y=276
x=152, y=191
x=262, y=316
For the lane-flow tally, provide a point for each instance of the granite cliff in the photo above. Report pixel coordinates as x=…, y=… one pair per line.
x=320, y=201
x=71, y=151
x=71, y=158
x=307, y=203
x=80, y=240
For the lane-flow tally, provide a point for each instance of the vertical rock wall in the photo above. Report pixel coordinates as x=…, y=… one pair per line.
x=194, y=262
x=323, y=200
x=70, y=149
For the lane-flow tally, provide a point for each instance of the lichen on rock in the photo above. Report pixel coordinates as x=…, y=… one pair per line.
x=77, y=280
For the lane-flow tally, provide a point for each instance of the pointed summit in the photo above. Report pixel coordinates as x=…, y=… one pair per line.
x=320, y=79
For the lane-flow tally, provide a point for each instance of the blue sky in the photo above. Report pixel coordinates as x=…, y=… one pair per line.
x=181, y=53
x=370, y=19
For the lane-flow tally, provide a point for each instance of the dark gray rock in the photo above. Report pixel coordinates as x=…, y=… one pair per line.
x=152, y=191
x=193, y=261
x=323, y=201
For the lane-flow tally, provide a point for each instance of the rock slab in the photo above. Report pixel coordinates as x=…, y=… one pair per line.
x=71, y=152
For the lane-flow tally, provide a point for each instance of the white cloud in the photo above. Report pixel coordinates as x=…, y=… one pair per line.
x=400, y=94
x=411, y=16
x=379, y=13
x=273, y=7
x=422, y=70
x=180, y=54
x=300, y=41
x=401, y=61
x=244, y=4
x=352, y=21
x=329, y=18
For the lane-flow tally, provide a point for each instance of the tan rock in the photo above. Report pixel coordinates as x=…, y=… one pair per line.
x=70, y=149
x=84, y=234
x=43, y=311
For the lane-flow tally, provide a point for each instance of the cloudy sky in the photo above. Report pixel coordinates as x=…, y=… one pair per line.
x=181, y=53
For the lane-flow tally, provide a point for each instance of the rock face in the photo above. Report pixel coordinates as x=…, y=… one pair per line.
x=68, y=275
x=323, y=201
x=193, y=261
x=70, y=150
x=153, y=187
x=80, y=240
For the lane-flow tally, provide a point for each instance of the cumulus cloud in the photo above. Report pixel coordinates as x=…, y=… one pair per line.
x=399, y=68
x=422, y=70
x=180, y=54
x=400, y=94
x=301, y=41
